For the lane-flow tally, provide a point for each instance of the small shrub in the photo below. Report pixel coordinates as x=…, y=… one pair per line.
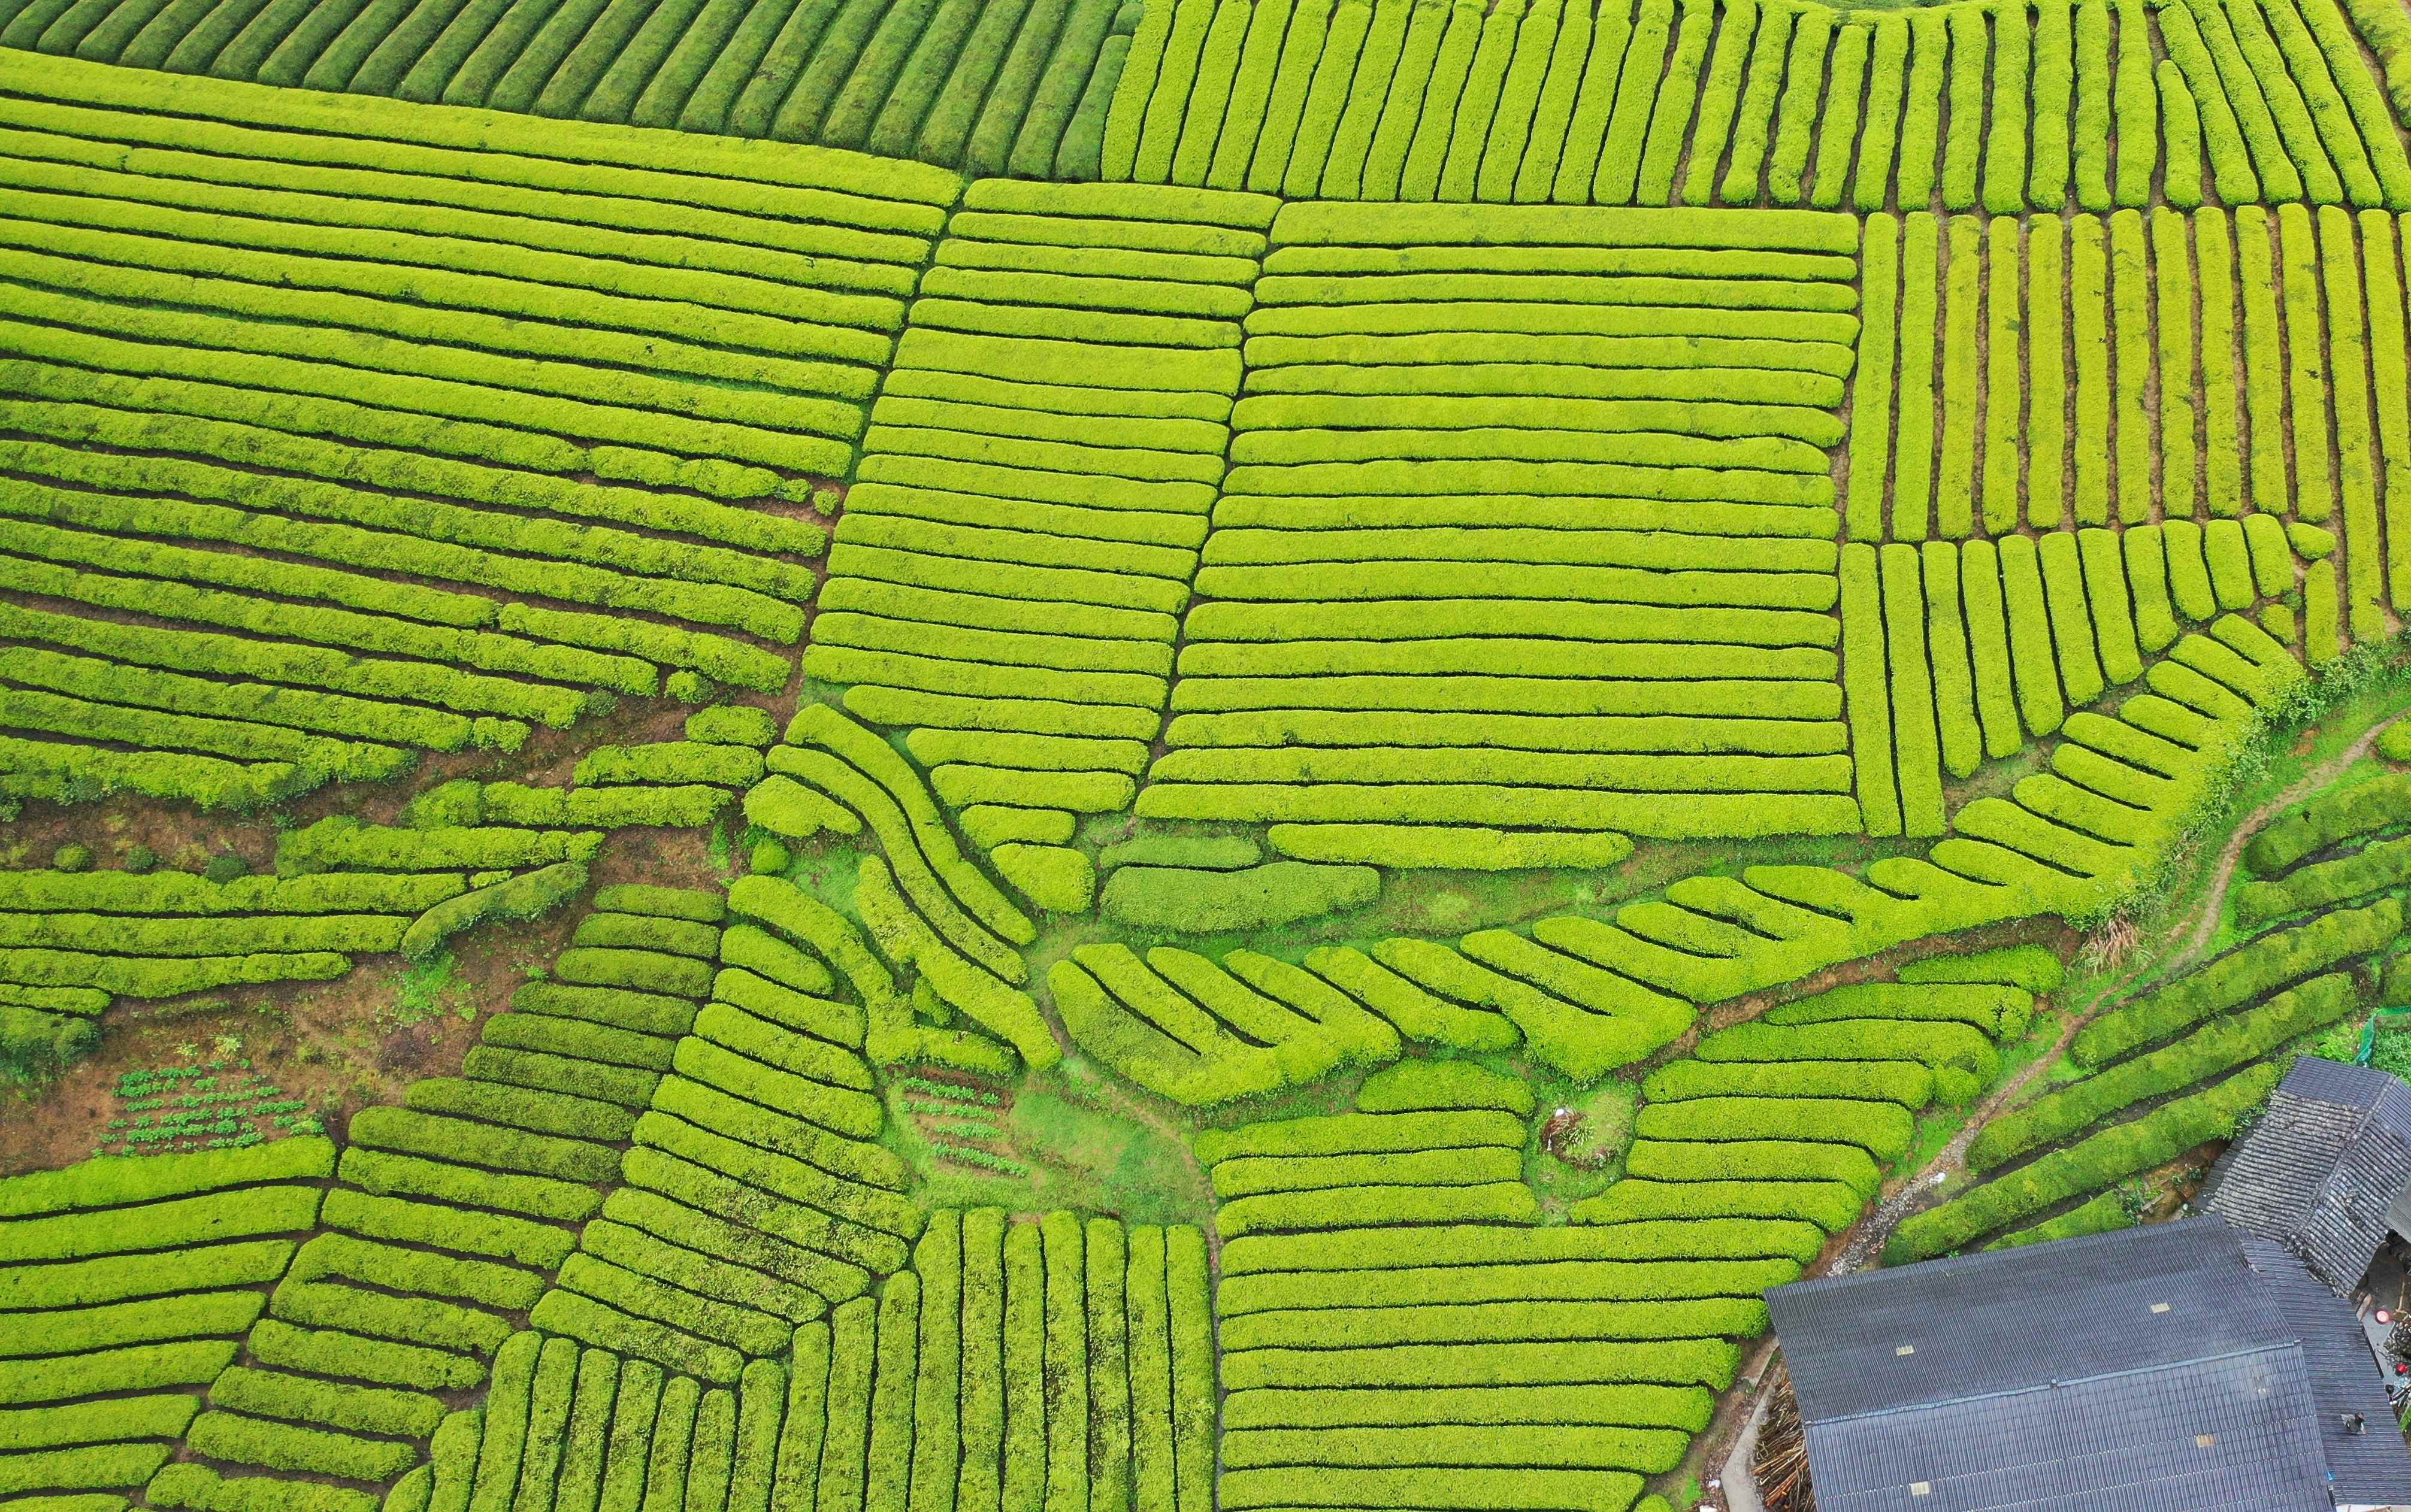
x=771, y=858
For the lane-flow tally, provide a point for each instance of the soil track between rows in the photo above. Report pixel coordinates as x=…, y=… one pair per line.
x=2214, y=901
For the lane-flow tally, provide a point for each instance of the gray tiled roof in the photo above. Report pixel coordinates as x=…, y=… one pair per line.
x=2370, y=1469
x=2318, y=1171
x=2086, y=1373
x=2003, y=1320
x=2112, y=1443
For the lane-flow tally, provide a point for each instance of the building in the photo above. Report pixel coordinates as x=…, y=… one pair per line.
x=2182, y=1367
x=2326, y=1171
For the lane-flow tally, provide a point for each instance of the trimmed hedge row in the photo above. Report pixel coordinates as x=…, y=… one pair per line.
x=405, y=1175
x=2218, y=1045
x=51, y=892
x=489, y=1235
x=102, y=1373
x=609, y=929
x=112, y=1279
x=1338, y=299
x=2244, y=973
x=1677, y=1363
x=167, y=1222
x=183, y=590
x=1368, y=1170
x=243, y=428
x=1881, y=1129
x=1188, y=901
x=1101, y=1022
x=186, y=1315
x=1248, y=1177
x=581, y=560
x=1491, y=1245
x=180, y=408
x=1417, y=1014
x=152, y=1280
x=1092, y=1328
x=1729, y=1159
x=171, y=938
x=2376, y=867
x=2001, y=1012
x=1907, y=1083
x=1830, y=1205
x=416, y=1132
x=453, y=1209
x=726, y=176
x=907, y=822
x=1483, y=1323
x=670, y=763
x=2094, y=1162
x=528, y=895
x=115, y=1181
x=404, y=365
x=2119, y=616
x=418, y=1322
x=387, y=1362
x=797, y=1197
x=2334, y=816
x=1420, y=1086
x=341, y=842
x=1248, y=1024
x=198, y=394
x=1343, y=1349
x=905, y=938
x=1445, y=845
x=2033, y=967
x=2102, y=1214
x=1709, y=815
x=1947, y=1048
x=1361, y=1134
x=1557, y=103
x=978, y=564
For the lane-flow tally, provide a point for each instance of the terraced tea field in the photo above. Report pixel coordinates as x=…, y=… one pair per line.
x=1148, y=755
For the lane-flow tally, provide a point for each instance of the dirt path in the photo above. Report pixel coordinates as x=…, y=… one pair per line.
x=2214, y=903
x=1868, y=1238
x=1113, y=1096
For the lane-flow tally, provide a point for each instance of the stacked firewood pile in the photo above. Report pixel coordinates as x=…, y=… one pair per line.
x=1780, y=1462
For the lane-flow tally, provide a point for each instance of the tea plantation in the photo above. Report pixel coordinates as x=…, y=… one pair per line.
x=1149, y=755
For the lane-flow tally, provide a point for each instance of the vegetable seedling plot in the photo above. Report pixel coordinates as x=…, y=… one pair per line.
x=1242, y=750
